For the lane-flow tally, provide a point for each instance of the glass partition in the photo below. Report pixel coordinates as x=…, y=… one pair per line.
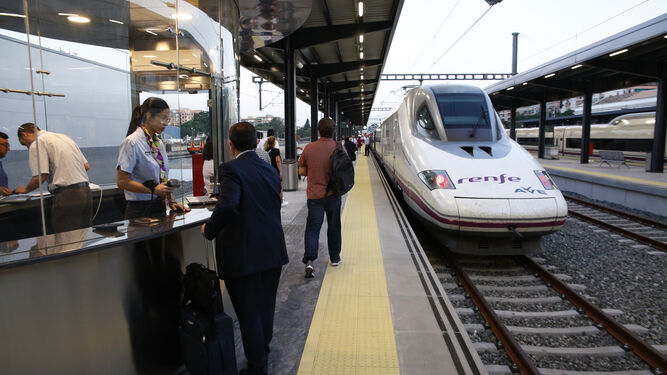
x=77, y=74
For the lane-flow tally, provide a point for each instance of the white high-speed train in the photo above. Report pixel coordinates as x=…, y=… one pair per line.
x=446, y=150
x=631, y=133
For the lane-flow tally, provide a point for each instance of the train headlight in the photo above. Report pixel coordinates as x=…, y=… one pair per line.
x=546, y=180
x=436, y=180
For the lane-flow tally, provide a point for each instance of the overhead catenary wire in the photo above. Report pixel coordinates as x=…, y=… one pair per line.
x=586, y=30
x=436, y=33
x=461, y=37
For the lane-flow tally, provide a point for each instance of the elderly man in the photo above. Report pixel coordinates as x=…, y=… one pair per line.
x=62, y=164
x=4, y=149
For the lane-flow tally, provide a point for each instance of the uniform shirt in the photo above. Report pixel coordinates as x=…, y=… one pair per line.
x=316, y=158
x=60, y=157
x=136, y=158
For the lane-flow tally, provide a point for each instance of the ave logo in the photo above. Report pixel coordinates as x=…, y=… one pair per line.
x=529, y=190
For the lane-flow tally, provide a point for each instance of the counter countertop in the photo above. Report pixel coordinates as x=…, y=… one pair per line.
x=58, y=245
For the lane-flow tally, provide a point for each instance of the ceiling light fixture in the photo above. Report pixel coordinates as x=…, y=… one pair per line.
x=181, y=16
x=550, y=75
x=510, y=88
x=114, y=21
x=149, y=56
x=524, y=84
x=78, y=19
x=67, y=14
x=576, y=66
x=361, y=55
x=256, y=56
x=361, y=8
x=12, y=15
x=618, y=52
x=150, y=32
x=361, y=38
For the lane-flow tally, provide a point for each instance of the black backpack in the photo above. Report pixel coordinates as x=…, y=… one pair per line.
x=202, y=293
x=341, y=171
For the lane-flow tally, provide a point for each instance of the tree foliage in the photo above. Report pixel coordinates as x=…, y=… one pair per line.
x=201, y=123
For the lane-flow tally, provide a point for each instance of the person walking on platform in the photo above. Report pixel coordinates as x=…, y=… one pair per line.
x=4, y=149
x=61, y=163
x=250, y=247
x=366, y=149
x=351, y=149
x=314, y=164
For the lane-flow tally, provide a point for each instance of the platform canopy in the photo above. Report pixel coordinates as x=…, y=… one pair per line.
x=632, y=57
x=329, y=49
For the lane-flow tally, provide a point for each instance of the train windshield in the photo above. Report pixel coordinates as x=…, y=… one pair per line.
x=465, y=117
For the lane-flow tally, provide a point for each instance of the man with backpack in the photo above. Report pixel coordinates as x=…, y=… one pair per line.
x=324, y=193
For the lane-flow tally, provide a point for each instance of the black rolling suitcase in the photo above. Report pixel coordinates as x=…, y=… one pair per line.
x=207, y=333
x=208, y=353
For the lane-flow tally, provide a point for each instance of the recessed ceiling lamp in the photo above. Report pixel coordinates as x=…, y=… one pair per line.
x=510, y=88
x=361, y=8
x=114, y=21
x=361, y=38
x=181, y=16
x=618, y=52
x=150, y=32
x=78, y=19
x=361, y=55
x=576, y=66
x=550, y=75
x=256, y=56
x=12, y=15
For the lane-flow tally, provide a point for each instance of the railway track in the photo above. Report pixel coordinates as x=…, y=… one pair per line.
x=644, y=230
x=544, y=324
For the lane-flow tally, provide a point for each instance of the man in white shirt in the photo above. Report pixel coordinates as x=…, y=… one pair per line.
x=60, y=162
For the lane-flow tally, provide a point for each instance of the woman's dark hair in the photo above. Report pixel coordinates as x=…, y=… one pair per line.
x=242, y=135
x=207, y=153
x=153, y=105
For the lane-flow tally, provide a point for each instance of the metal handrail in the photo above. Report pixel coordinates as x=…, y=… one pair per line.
x=38, y=93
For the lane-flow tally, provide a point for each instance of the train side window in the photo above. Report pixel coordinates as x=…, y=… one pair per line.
x=426, y=127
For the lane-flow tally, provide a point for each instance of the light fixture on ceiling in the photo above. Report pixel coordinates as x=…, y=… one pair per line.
x=12, y=15
x=361, y=76
x=510, y=88
x=150, y=56
x=67, y=14
x=524, y=84
x=361, y=38
x=256, y=56
x=576, y=66
x=78, y=19
x=618, y=52
x=181, y=16
x=114, y=21
x=361, y=55
x=549, y=75
x=150, y=32
x=361, y=8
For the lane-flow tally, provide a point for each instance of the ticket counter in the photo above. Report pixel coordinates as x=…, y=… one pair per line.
x=91, y=301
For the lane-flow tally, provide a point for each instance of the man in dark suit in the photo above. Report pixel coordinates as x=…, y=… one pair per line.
x=250, y=245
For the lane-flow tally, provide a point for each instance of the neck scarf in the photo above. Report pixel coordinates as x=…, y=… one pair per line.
x=154, y=142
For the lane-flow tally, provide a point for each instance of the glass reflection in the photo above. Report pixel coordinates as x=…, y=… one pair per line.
x=92, y=63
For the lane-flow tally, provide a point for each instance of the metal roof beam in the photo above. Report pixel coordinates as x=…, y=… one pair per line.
x=312, y=36
x=336, y=86
x=322, y=70
x=560, y=84
x=634, y=67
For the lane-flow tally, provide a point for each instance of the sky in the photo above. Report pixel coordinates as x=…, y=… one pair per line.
x=469, y=36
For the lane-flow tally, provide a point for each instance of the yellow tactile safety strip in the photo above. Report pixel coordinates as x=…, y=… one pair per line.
x=351, y=331
x=607, y=175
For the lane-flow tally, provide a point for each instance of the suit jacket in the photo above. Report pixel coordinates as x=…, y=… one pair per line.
x=246, y=220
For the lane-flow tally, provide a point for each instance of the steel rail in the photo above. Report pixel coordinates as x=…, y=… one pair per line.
x=512, y=347
x=626, y=215
x=635, y=236
x=645, y=351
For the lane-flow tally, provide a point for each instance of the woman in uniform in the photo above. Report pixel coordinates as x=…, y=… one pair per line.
x=143, y=166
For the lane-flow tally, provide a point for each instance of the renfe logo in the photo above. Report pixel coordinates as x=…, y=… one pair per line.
x=502, y=178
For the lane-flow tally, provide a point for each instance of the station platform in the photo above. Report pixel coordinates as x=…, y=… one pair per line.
x=382, y=311
x=628, y=186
